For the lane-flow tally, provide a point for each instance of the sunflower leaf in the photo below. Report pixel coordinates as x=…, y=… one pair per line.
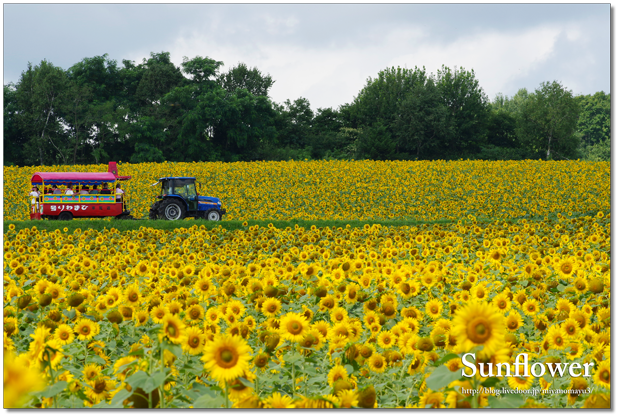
x=154, y=381
x=511, y=400
x=442, y=376
x=173, y=348
x=55, y=389
x=445, y=358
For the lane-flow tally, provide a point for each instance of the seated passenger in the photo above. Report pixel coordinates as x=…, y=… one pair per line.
x=105, y=190
x=55, y=189
x=84, y=190
x=94, y=190
x=69, y=190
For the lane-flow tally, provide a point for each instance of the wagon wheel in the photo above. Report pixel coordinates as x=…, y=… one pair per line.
x=65, y=216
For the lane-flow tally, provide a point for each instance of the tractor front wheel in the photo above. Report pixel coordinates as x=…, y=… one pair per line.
x=213, y=215
x=171, y=210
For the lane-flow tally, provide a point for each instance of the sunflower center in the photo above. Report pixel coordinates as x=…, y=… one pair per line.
x=99, y=386
x=558, y=340
x=605, y=376
x=172, y=330
x=85, y=330
x=294, y=327
x=478, y=330
x=227, y=356
x=502, y=304
x=194, y=342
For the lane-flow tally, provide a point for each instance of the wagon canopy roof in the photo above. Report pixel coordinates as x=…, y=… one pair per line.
x=73, y=178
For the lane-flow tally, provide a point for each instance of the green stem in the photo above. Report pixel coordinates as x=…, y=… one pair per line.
x=162, y=401
x=475, y=394
x=226, y=394
x=293, y=375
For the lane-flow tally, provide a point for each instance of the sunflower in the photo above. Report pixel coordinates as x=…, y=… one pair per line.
x=99, y=389
x=565, y=268
x=520, y=382
x=336, y=373
x=479, y=324
x=236, y=308
x=226, y=357
x=91, y=371
x=556, y=337
x=578, y=386
x=338, y=314
x=479, y=292
x=194, y=340
x=271, y=307
x=132, y=295
x=377, y=363
x=501, y=302
x=327, y=303
x=158, y=313
x=173, y=328
x=434, y=308
x=602, y=374
x=86, y=329
x=213, y=315
x=64, y=334
x=417, y=362
x=432, y=398
x=293, y=326
x=347, y=398
x=204, y=287
x=195, y=313
x=279, y=401
x=386, y=339
x=571, y=327
x=513, y=321
x=530, y=307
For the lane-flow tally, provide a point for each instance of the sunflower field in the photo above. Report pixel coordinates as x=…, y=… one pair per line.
x=377, y=316
x=360, y=190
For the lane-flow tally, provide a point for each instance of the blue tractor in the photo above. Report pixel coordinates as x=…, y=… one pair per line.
x=179, y=199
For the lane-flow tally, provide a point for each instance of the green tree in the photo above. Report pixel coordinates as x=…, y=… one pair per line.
x=39, y=96
x=77, y=114
x=15, y=138
x=243, y=77
x=422, y=123
x=547, y=122
x=376, y=143
x=468, y=111
x=594, y=122
x=294, y=123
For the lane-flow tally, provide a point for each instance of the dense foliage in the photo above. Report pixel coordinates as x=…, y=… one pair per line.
x=154, y=111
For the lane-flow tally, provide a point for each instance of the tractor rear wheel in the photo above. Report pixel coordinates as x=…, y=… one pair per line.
x=154, y=212
x=171, y=210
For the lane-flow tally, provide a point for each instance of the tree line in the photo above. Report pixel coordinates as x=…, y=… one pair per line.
x=97, y=111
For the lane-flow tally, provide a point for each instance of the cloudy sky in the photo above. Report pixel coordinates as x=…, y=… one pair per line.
x=325, y=52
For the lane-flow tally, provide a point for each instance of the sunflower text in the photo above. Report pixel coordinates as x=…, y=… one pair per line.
x=521, y=364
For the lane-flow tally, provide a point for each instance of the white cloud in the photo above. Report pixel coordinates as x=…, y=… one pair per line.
x=331, y=75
